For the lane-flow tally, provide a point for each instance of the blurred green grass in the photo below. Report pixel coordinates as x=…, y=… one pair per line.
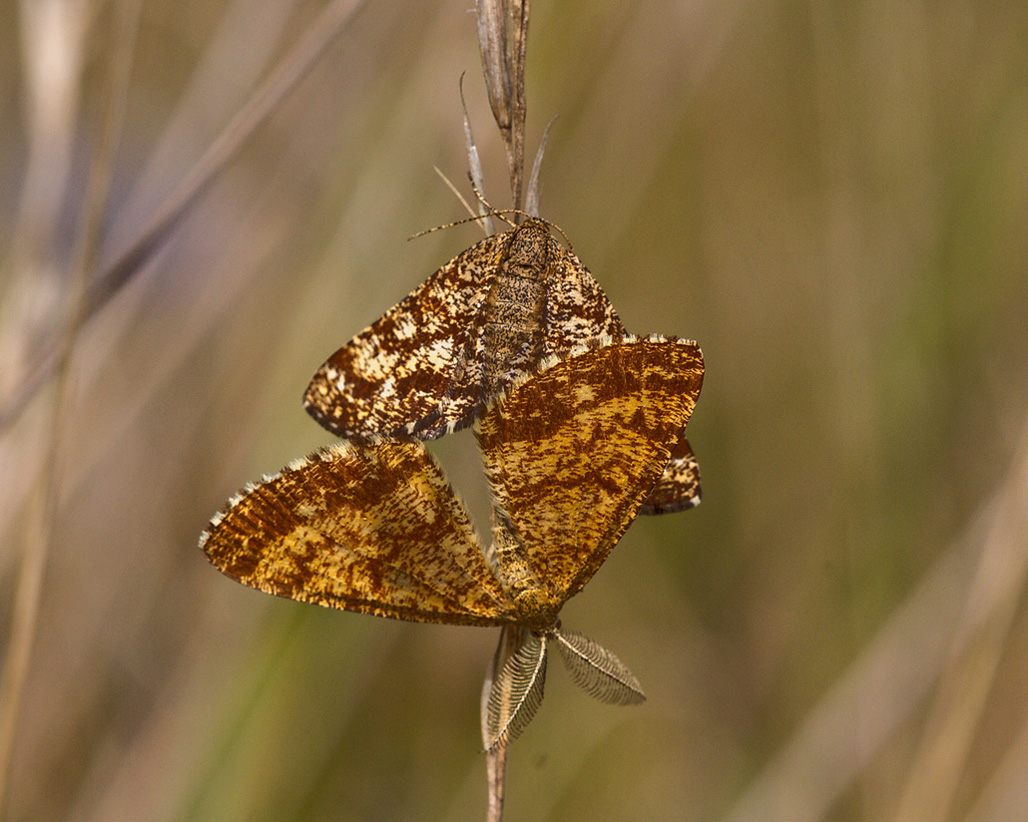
x=830, y=198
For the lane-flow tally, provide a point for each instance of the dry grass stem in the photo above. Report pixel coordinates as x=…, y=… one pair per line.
x=503, y=41
x=532, y=195
x=947, y=628
x=43, y=508
x=261, y=104
x=475, y=168
x=503, y=64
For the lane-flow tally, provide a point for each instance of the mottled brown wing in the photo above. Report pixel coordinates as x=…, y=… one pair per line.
x=369, y=527
x=678, y=488
x=422, y=368
x=572, y=452
x=577, y=309
x=418, y=369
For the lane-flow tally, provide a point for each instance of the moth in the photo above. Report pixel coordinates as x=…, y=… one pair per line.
x=430, y=364
x=571, y=450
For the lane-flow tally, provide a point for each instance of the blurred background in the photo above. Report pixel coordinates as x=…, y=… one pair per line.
x=832, y=198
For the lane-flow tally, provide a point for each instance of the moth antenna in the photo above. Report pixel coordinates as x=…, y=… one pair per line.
x=516, y=692
x=567, y=240
x=472, y=219
x=498, y=212
x=454, y=189
x=484, y=203
x=596, y=670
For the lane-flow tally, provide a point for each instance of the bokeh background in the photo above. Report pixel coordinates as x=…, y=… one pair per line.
x=832, y=198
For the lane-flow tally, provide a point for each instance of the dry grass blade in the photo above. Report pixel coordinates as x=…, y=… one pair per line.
x=517, y=692
x=475, y=168
x=955, y=610
x=597, y=671
x=532, y=194
x=44, y=502
x=492, y=41
x=978, y=647
x=261, y=104
x=456, y=193
x=1005, y=796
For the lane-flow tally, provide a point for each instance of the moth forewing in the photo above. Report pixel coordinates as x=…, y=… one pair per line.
x=371, y=527
x=572, y=449
x=492, y=314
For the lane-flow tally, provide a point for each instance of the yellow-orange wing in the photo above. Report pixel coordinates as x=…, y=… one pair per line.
x=490, y=315
x=371, y=527
x=572, y=452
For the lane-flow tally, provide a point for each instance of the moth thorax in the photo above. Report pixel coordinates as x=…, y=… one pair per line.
x=529, y=252
x=536, y=609
x=515, y=573
x=532, y=601
x=513, y=318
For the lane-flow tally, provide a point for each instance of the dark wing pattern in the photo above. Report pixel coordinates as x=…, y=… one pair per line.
x=577, y=310
x=678, y=488
x=371, y=527
x=418, y=369
x=572, y=452
x=429, y=364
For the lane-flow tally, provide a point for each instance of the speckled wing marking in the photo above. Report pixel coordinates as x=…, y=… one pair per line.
x=429, y=364
x=577, y=309
x=572, y=452
x=417, y=369
x=489, y=315
x=369, y=527
x=678, y=488
x=372, y=525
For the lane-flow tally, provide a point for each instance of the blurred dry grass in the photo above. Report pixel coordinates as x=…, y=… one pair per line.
x=832, y=198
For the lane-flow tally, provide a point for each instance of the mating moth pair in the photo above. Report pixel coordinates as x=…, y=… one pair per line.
x=580, y=427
